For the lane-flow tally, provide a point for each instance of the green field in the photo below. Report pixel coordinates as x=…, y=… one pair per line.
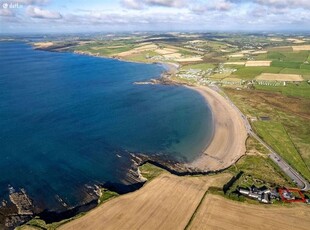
x=277, y=137
x=296, y=90
x=260, y=57
x=300, y=56
x=104, y=49
x=305, y=66
x=106, y=195
x=286, y=64
x=150, y=171
x=259, y=166
x=258, y=170
x=248, y=73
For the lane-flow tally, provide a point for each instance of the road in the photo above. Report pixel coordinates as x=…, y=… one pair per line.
x=284, y=166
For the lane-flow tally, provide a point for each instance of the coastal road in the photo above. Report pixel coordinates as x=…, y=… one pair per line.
x=284, y=166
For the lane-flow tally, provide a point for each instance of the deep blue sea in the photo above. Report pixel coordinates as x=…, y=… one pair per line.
x=66, y=121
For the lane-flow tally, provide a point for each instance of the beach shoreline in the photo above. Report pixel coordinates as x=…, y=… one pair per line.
x=227, y=144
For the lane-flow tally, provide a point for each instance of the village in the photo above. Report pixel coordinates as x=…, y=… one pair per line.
x=205, y=77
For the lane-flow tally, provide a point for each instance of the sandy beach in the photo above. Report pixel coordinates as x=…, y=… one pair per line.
x=228, y=142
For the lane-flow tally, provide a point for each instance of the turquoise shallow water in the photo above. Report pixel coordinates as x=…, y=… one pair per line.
x=67, y=120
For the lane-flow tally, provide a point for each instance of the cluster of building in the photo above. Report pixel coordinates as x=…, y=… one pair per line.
x=263, y=195
x=201, y=76
x=196, y=45
x=266, y=195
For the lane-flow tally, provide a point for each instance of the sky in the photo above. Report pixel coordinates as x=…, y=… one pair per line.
x=71, y=16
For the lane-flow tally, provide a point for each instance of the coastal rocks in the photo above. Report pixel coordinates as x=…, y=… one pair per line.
x=150, y=82
x=165, y=163
x=18, y=210
x=22, y=202
x=172, y=166
x=164, y=80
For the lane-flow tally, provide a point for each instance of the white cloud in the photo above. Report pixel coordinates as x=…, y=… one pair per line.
x=167, y=3
x=220, y=5
x=286, y=3
x=132, y=4
x=36, y=12
x=6, y=12
x=141, y=4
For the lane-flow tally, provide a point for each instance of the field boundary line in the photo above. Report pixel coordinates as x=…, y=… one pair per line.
x=196, y=210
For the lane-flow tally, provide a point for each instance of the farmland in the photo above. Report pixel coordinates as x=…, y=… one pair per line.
x=279, y=77
x=214, y=209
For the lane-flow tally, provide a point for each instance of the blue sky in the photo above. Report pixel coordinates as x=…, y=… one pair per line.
x=43, y=16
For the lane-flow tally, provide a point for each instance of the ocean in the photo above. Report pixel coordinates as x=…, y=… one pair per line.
x=68, y=121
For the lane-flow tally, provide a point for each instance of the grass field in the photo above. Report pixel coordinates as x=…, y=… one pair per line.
x=257, y=170
x=260, y=168
x=286, y=64
x=288, y=56
x=103, y=50
x=277, y=137
x=295, y=90
x=247, y=73
x=106, y=195
x=150, y=171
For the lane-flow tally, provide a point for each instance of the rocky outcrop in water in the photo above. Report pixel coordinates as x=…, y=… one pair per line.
x=17, y=210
